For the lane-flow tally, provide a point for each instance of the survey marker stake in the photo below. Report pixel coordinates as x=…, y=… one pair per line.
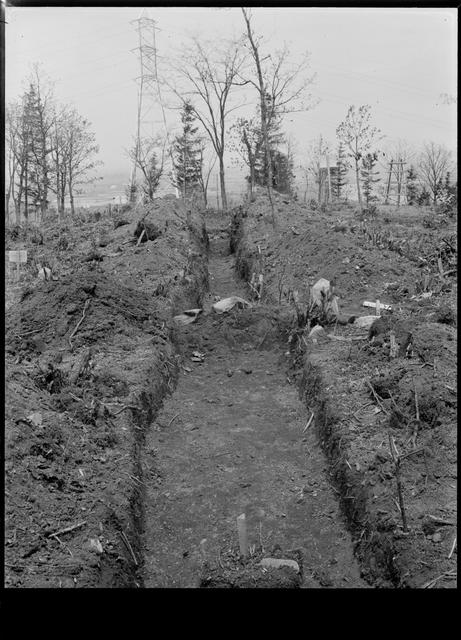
x=242, y=533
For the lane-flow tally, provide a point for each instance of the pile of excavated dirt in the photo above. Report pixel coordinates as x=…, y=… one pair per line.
x=360, y=394
x=89, y=359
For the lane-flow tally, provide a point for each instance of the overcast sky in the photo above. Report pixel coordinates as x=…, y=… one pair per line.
x=397, y=60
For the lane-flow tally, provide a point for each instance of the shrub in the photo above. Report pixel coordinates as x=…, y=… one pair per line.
x=371, y=211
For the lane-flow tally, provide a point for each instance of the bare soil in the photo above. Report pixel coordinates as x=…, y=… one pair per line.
x=127, y=461
x=77, y=401
x=393, y=259
x=229, y=441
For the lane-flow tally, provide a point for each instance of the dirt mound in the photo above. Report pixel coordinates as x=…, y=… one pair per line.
x=89, y=361
x=361, y=390
x=54, y=310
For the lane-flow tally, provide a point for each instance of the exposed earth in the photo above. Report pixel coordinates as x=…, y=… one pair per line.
x=133, y=441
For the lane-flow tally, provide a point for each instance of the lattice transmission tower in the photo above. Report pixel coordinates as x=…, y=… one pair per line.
x=151, y=119
x=396, y=190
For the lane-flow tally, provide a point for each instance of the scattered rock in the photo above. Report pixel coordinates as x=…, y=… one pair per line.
x=276, y=563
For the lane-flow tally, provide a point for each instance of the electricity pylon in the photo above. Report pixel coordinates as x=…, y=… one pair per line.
x=150, y=103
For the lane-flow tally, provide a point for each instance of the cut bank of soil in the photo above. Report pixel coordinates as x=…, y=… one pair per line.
x=369, y=261
x=229, y=441
x=78, y=401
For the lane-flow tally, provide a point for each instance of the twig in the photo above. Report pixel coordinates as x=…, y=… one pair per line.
x=127, y=406
x=399, y=411
x=172, y=420
x=410, y=453
x=63, y=545
x=76, y=398
x=308, y=423
x=344, y=339
x=377, y=398
x=87, y=302
x=134, y=478
x=361, y=408
x=128, y=545
x=141, y=237
x=449, y=523
x=448, y=574
x=416, y=421
x=67, y=529
x=260, y=344
x=21, y=335
x=453, y=547
x=396, y=458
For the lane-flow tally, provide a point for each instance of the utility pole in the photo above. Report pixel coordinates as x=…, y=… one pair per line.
x=396, y=182
x=329, y=179
x=150, y=99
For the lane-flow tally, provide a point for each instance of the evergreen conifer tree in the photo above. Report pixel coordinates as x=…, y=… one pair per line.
x=187, y=154
x=370, y=176
x=283, y=175
x=339, y=180
x=412, y=187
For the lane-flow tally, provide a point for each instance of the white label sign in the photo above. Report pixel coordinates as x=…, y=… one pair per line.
x=18, y=256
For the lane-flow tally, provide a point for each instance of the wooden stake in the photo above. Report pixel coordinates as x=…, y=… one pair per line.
x=140, y=238
x=242, y=533
x=440, y=266
x=396, y=458
x=393, y=347
x=202, y=549
x=67, y=529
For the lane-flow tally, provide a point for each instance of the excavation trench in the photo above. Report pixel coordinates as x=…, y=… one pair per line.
x=231, y=439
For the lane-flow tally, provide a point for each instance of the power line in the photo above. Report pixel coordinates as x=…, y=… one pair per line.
x=78, y=43
x=371, y=78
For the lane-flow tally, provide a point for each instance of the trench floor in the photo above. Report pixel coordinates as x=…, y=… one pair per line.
x=229, y=441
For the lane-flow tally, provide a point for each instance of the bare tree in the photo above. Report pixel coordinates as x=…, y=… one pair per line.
x=81, y=152
x=60, y=156
x=12, y=150
x=150, y=159
x=209, y=74
x=41, y=122
x=434, y=162
x=247, y=143
x=358, y=137
x=316, y=153
x=205, y=173
x=281, y=88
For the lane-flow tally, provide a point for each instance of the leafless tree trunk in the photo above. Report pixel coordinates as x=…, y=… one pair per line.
x=358, y=137
x=263, y=107
x=45, y=124
x=145, y=155
x=210, y=78
x=204, y=177
x=434, y=162
x=281, y=87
